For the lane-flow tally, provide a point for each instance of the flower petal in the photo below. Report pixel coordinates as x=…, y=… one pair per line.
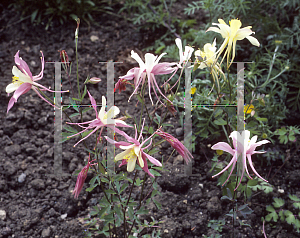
x=152, y=159
x=252, y=167
x=131, y=165
x=93, y=102
x=242, y=33
x=224, y=147
x=179, y=45
x=121, y=155
x=12, y=87
x=22, y=65
x=138, y=153
x=112, y=112
x=102, y=110
x=253, y=40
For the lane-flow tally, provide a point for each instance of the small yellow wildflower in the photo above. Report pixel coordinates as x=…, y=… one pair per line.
x=248, y=108
x=219, y=152
x=193, y=90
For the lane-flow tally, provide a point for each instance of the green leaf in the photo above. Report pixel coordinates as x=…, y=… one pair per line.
x=218, y=112
x=220, y=122
x=278, y=202
x=291, y=137
x=153, y=151
x=290, y=218
x=140, y=99
x=142, y=210
x=95, y=212
x=273, y=214
x=154, y=172
x=261, y=119
x=109, y=191
x=130, y=213
x=33, y=15
x=158, y=205
x=70, y=129
x=91, y=188
x=270, y=209
x=294, y=198
x=245, y=210
x=124, y=186
x=167, y=124
x=73, y=103
x=73, y=16
x=74, y=114
x=297, y=224
x=84, y=92
x=252, y=182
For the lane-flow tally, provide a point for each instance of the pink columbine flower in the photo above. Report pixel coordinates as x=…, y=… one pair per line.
x=123, y=80
x=23, y=81
x=176, y=144
x=102, y=119
x=134, y=152
x=81, y=178
x=183, y=56
x=244, y=147
x=150, y=68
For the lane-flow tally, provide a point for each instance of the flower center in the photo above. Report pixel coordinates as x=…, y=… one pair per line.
x=130, y=156
x=15, y=80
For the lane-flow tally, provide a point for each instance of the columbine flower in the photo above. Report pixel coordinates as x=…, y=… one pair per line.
x=151, y=67
x=134, y=152
x=184, y=56
x=207, y=58
x=232, y=33
x=123, y=80
x=102, y=119
x=23, y=81
x=81, y=178
x=176, y=144
x=243, y=147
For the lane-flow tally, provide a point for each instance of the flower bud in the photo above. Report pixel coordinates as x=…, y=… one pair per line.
x=64, y=57
x=94, y=80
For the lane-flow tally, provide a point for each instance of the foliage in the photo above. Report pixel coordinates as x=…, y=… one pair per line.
x=62, y=10
x=287, y=134
x=217, y=225
x=291, y=218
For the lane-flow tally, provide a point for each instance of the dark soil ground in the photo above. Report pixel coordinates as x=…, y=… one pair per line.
x=43, y=206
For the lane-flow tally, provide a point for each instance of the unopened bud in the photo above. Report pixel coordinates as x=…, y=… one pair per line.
x=64, y=57
x=94, y=80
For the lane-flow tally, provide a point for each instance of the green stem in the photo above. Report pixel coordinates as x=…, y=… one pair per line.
x=77, y=66
x=131, y=188
x=142, y=191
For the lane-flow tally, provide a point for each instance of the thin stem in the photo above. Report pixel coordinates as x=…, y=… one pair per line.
x=131, y=188
x=77, y=66
x=142, y=191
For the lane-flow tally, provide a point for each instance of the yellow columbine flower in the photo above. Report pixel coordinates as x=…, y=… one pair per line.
x=207, y=58
x=231, y=34
x=248, y=108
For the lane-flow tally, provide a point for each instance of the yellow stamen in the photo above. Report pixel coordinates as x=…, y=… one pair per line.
x=15, y=80
x=130, y=156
